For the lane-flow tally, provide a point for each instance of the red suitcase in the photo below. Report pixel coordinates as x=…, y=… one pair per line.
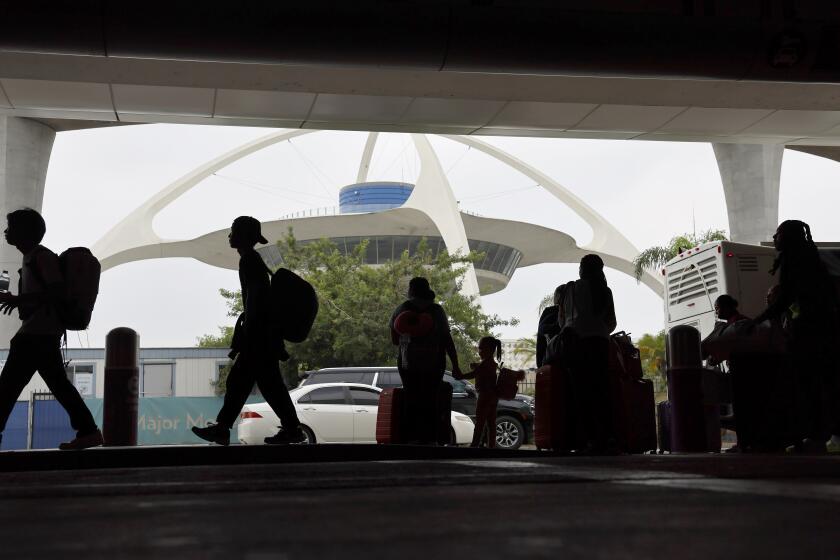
x=552, y=418
x=634, y=413
x=388, y=415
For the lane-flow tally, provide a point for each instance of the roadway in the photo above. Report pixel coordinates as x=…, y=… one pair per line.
x=402, y=502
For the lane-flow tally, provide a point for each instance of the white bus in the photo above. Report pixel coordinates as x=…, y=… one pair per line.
x=697, y=276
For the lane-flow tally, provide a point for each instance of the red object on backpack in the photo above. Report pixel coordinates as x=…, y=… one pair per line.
x=414, y=323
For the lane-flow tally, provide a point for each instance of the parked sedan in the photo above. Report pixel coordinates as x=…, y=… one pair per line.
x=332, y=413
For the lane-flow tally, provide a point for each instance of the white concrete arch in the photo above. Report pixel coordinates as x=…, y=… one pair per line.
x=606, y=241
x=134, y=238
x=135, y=235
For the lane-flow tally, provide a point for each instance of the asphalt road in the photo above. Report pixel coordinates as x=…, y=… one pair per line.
x=457, y=505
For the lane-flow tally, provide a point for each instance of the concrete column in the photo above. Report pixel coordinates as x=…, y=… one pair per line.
x=750, y=175
x=25, y=147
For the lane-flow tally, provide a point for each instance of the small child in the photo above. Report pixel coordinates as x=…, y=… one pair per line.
x=485, y=383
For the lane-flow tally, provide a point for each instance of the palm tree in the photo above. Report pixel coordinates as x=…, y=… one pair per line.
x=547, y=301
x=654, y=257
x=526, y=348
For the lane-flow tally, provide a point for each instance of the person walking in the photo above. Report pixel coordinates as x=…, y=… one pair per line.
x=420, y=328
x=256, y=355
x=589, y=320
x=37, y=344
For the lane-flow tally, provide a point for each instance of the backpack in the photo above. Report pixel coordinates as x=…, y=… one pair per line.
x=81, y=271
x=418, y=352
x=294, y=305
x=625, y=359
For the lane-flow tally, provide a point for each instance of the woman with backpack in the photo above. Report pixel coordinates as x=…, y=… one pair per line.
x=420, y=328
x=589, y=319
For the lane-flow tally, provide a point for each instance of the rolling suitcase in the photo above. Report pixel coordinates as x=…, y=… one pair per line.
x=389, y=415
x=552, y=418
x=635, y=415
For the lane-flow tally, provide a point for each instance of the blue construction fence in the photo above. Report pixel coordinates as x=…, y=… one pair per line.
x=160, y=421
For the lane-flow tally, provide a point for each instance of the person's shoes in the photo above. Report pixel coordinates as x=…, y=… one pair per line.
x=833, y=445
x=285, y=437
x=93, y=439
x=214, y=433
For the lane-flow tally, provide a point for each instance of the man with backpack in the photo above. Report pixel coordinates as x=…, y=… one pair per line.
x=37, y=344
x=255, y=350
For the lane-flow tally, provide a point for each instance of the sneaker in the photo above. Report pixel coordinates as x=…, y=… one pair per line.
x=833, y=445
x=284, y=437
x=214, y=433
x=93, y=439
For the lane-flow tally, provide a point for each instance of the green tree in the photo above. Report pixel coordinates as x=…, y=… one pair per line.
x=655, y=257
x=356, y=302
x=652, y=353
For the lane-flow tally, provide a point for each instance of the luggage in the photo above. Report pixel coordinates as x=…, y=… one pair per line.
x=443, y=413
x=634, y=413
x=506, y=384
x=80, y=271
x=389, y=415
x=663, y=424
x=553, y=427
x=762, y=396
x=624, y=357
x=294, y=305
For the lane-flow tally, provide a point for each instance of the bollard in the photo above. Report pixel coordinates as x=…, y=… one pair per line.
x=684, y=348
x=692, y=392
x=122, y=376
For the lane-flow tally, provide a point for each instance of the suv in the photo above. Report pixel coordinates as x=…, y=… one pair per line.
x=514, y=418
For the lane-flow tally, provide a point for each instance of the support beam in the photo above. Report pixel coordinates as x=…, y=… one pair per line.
x=25, y=147
x=750, y=174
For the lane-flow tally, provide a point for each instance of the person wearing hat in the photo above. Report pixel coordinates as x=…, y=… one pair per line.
x=420, y=328
x=256, y=355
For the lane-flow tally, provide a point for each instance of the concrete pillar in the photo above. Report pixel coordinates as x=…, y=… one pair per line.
x=750, y=175
x=25, y=147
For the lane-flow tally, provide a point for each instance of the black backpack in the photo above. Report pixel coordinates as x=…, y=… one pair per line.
x=294, y=305
x=80, y=271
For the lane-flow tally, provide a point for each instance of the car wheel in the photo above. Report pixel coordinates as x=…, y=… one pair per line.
x=510, y=433
x=310, y=435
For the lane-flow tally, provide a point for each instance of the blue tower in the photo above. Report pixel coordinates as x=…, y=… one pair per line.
x=375, y=196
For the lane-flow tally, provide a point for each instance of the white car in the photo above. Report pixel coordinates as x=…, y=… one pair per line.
x=332, y=413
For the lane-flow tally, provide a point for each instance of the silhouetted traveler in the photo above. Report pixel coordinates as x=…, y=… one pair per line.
x=549, y=325
x=589, y=320
x=37, y=344
x=424, y=343
x=256, y=353
x=807, y=297
x=726, y=310
x=484, y=374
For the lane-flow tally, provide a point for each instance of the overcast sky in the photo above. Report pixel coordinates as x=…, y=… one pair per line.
x=649, y=190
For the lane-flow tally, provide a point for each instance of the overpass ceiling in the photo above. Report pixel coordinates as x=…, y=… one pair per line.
x=415, y=101
x=675, y=70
